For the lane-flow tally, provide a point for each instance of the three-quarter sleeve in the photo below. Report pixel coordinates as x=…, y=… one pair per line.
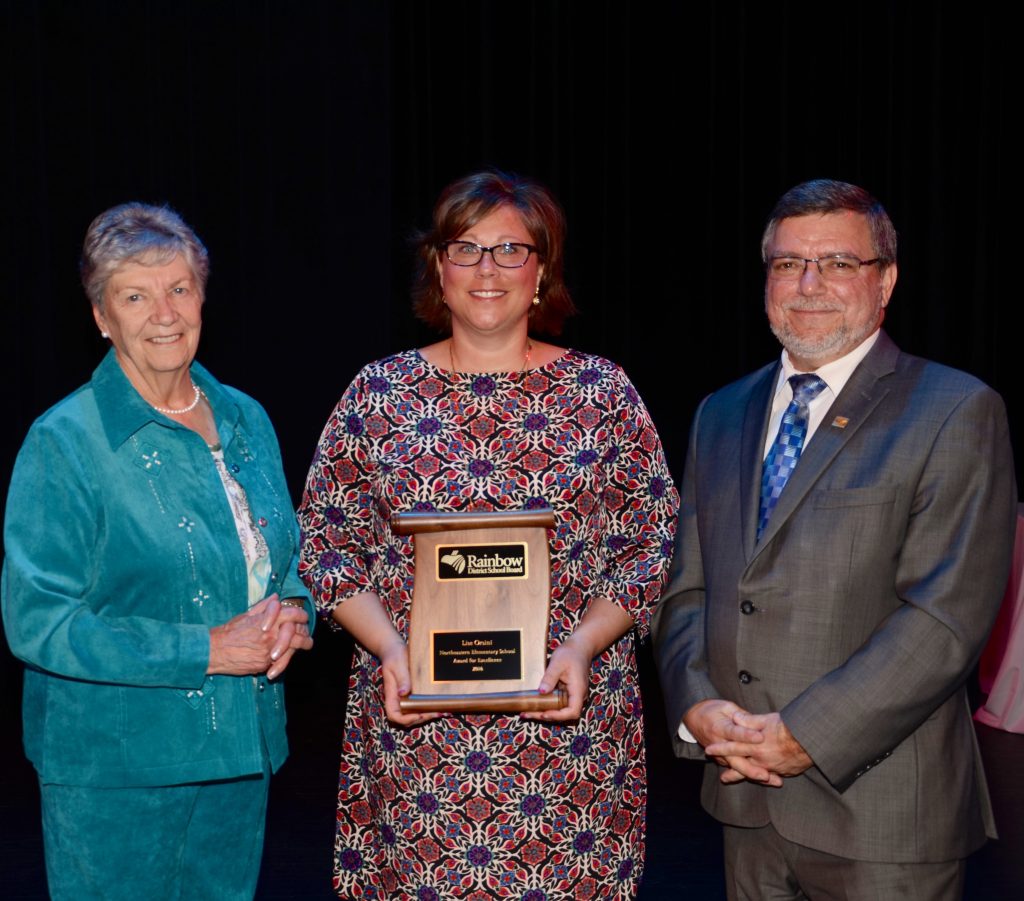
x=336, y=514
x=640, y=503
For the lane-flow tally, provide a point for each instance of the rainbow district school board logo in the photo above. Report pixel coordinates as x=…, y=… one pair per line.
x=481, y=561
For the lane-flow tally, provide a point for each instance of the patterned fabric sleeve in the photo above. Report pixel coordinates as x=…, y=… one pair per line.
x=336, y=513
x=641, y=503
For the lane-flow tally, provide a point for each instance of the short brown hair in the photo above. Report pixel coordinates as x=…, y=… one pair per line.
x=464, y=203
x=825, y=195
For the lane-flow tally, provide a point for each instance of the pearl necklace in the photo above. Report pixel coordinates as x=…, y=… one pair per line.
x=172, y=412
x=451, y=356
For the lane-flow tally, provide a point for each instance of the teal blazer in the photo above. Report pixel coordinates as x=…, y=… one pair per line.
x=121, y=553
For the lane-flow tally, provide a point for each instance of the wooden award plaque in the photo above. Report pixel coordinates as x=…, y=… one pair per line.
x=478, y=629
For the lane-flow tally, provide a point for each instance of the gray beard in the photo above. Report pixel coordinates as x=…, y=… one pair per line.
x=824, y=348
x=820, y=350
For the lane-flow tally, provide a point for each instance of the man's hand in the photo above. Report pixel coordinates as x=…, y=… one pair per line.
x=776, y=752
x=716, y=724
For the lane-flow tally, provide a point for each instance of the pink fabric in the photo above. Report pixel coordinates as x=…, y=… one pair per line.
x=1002, y=663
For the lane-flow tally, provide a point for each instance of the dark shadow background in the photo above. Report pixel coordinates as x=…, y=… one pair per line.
x=306, y=141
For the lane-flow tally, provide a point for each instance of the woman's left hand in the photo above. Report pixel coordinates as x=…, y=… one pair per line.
x=570, y=666
x=603, y=623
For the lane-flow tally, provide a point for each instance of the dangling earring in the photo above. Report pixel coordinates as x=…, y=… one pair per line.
x=536, y=297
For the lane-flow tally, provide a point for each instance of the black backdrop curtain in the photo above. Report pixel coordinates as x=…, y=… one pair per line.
x=306, y=141
x=669, y=130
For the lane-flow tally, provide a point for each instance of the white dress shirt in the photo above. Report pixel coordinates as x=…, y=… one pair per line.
x=835, y=375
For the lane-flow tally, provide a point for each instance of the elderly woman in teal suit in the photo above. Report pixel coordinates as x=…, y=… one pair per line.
x=150, y=587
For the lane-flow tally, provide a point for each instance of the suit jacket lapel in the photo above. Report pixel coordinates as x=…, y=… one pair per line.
x=755, y=425
x=861, y=394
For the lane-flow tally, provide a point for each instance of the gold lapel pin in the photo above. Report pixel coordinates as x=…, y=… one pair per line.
x=840, y=422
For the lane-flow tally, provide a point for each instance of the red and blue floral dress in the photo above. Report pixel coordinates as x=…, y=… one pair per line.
x=484, y=806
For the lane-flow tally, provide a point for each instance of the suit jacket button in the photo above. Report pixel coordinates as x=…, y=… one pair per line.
x=235, y=467
x=747, y=607
x=745, y=677
x=263, y=522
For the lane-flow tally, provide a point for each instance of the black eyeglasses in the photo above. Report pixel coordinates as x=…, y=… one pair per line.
x=508, y=255
x=834, y=267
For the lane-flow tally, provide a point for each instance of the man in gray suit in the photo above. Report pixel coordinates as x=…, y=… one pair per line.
x=844, y=542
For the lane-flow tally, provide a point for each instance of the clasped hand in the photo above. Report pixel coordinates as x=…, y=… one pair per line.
x=261, y=640
x=758, y=747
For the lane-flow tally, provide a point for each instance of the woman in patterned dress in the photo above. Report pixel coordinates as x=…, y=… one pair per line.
x=537, y=805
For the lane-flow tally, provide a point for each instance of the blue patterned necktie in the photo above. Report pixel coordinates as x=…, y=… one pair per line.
x=789, y=442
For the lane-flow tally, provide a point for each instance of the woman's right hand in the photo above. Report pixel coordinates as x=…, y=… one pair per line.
x=364, y=618
x=394, y=664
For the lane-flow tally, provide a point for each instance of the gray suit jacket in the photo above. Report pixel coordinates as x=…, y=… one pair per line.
x=861, y=611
